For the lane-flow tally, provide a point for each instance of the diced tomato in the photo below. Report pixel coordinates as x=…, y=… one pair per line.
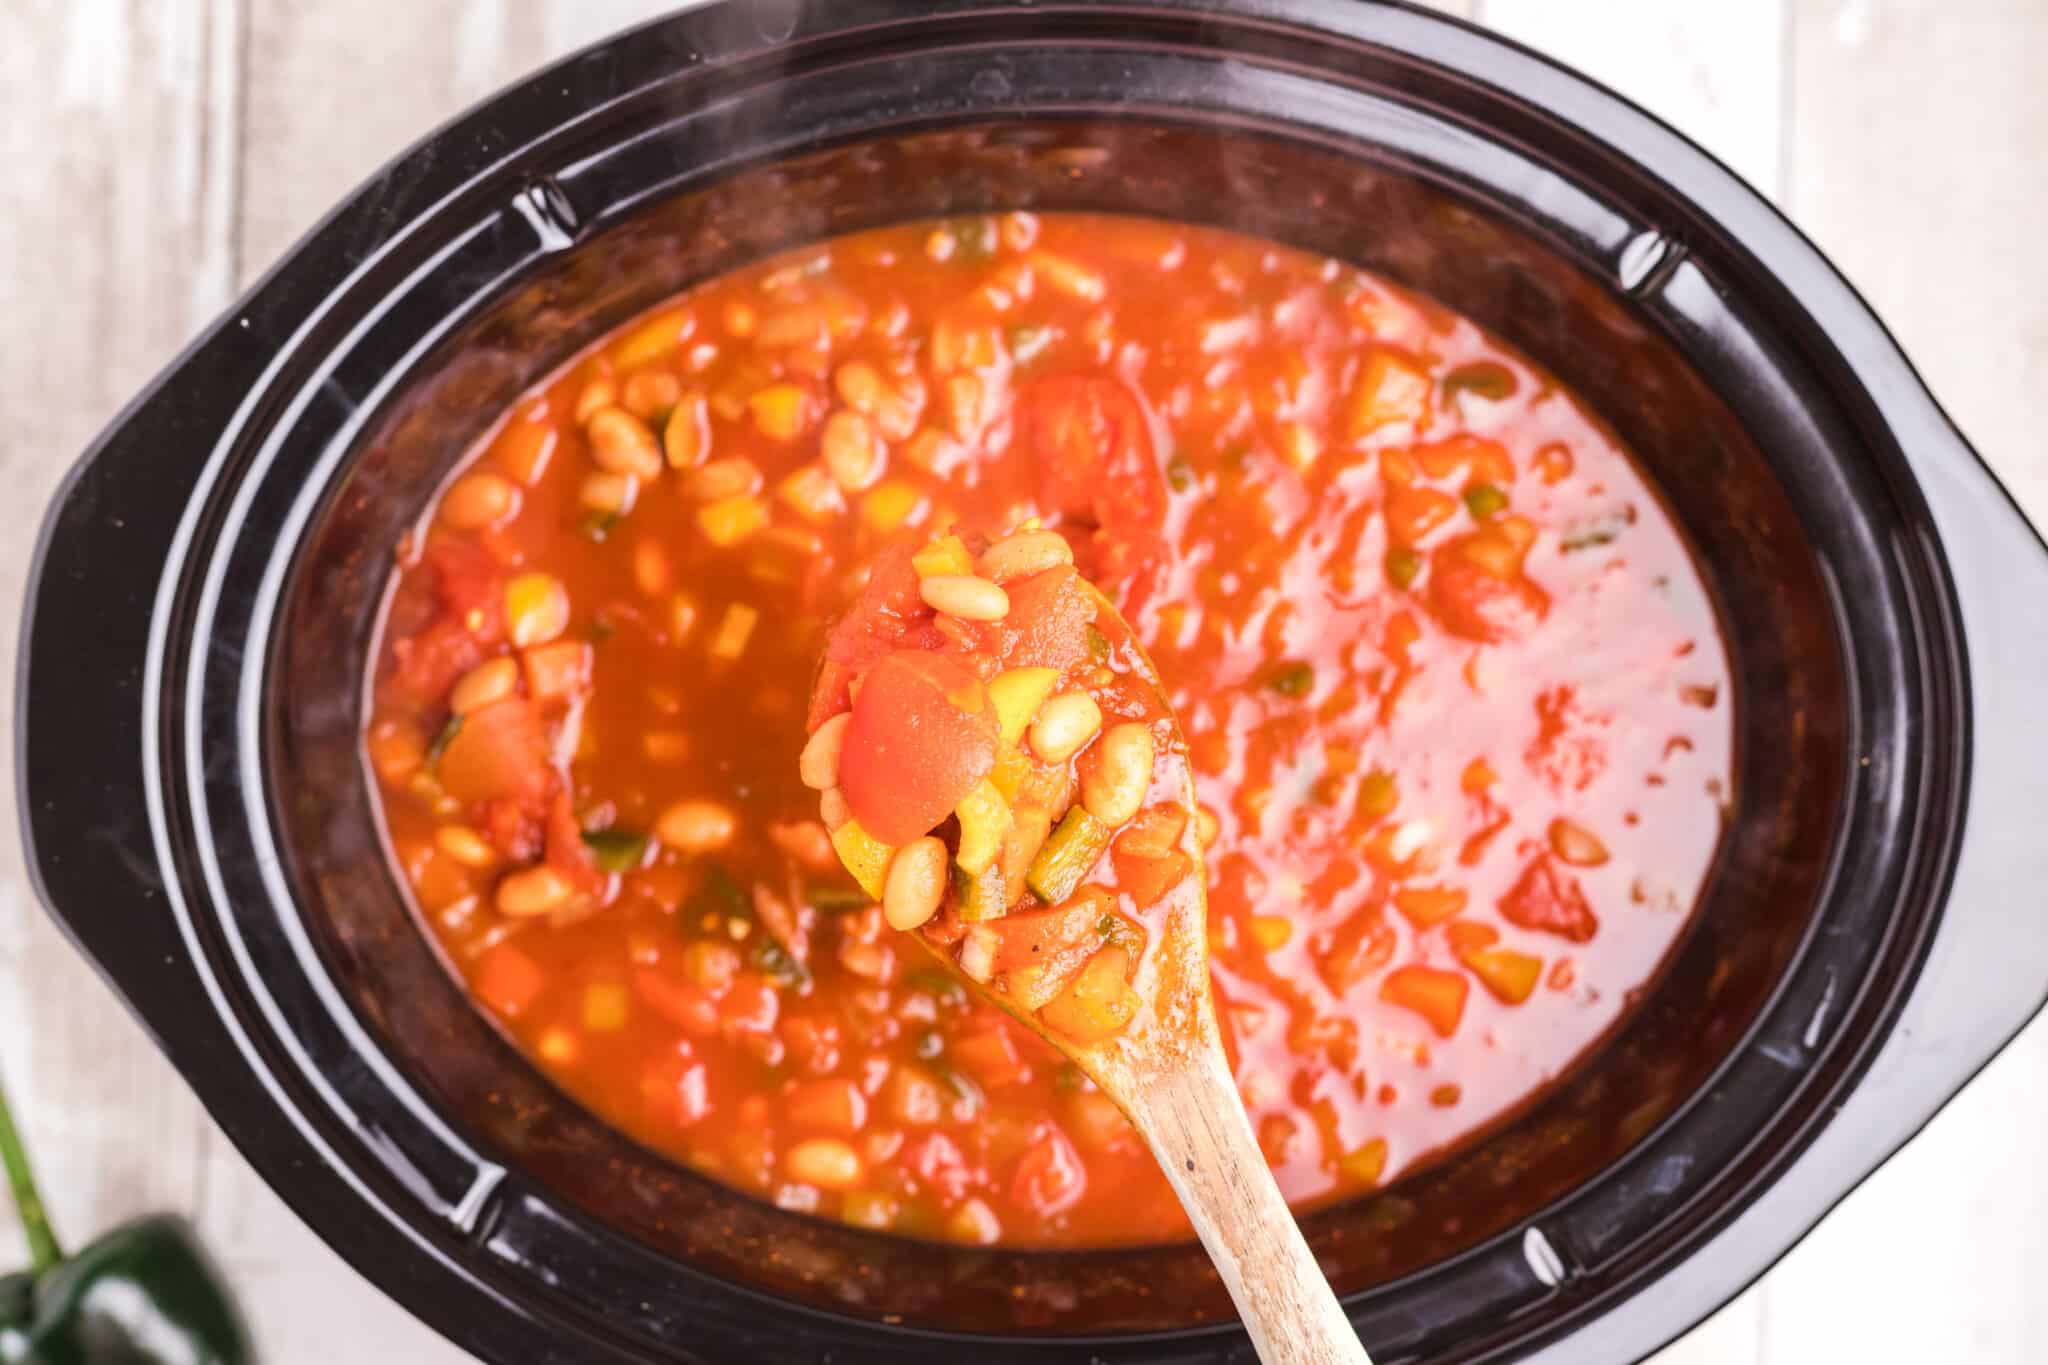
x=1437, y=995
x=1509, y=975
x=1047, y=627
x=426, y=665
x=1149, y=880
x=751, y=1005
x=559, y=671
x=1361, y=946
x=515, y=828
x=1489, y=459
x=1470, y=936
x=676, y=1089
x=1552, y=901
x=1390, y=388
x=1093, y=452
x=507, y=979
x=936, y=1162
x=813, y=1038
x=1049, y=1178
x=1098, y=1003
x=1428, y=905
x=833, y=1104
x=874, y=625
x=1040, y=935
x=690, y=1008
x=990, y=1056
x=498, y=753
x=1415, y=511
x=469, y=584
x=1478, y=604
x=923, y=734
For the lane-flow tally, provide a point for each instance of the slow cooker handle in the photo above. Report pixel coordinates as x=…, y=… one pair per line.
x=101, y=582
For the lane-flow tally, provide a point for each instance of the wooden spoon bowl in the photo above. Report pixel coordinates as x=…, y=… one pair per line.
x=1161, y=1059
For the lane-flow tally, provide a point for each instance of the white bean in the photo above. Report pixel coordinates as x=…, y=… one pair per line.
x=1113, y=786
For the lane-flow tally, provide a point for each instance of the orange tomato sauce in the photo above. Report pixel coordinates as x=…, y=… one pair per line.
x=1452, y=687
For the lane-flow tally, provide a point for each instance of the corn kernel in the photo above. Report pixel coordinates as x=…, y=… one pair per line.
x=891, y=506
x=730, y=520
x=734, y=629
x=536, y=608
x=781, y=411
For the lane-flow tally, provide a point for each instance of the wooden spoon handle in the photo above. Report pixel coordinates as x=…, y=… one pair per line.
x=1195, y=1122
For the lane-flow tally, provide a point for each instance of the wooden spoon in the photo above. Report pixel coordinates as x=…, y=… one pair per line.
x=1166, y=1070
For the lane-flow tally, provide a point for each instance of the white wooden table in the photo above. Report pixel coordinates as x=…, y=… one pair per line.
x=161, y=154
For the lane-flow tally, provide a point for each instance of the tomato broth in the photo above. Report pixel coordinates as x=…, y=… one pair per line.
x=1452, y=688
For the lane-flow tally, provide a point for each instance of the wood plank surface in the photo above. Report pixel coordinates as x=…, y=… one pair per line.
x=116, y=244
x=164, y=152
x=1917, y=162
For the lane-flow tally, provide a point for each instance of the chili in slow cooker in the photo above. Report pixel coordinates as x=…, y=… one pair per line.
x=1453, y=693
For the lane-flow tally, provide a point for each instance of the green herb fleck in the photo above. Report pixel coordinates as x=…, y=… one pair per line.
x=1027, y=343
x=1377, y=793
x=1482, y=379
x=1292, y=679
x=1068, y=1078
x=772, y=959
x=1179, y=474
x=443, y=739
x=720, y=896
x=1482, y=500
x=961, y=1087
x=837, y=898
x=1600, y=531
x=597, y=525
x=616, y=850
x=601, y=630
x=1404, y=566
x=1098, y=645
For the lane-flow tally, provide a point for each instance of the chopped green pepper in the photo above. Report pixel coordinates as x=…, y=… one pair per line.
x=1404, y=566
x=771, y=959
x=983, y=896
x=1483, y=378
x=1599, y=530
x=837, y=898
x=1291, y=679
x=443, y=738
x=1482, y=500
x=1098, y=645
x=719, y=897
x=597, y=525
x=1377, y=793
x=142, y=1294
x=1069, y=855
x=616, y=850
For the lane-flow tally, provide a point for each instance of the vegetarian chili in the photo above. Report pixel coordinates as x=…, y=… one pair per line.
x=991, y=695
x=1454, y=700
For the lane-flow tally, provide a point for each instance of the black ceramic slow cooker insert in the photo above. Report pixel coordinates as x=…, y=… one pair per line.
x=200, y=821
